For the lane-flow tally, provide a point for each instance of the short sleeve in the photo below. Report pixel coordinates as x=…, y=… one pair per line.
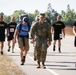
x=6, y=26
x=74, y=23
x=17, y=27
x=63, y=25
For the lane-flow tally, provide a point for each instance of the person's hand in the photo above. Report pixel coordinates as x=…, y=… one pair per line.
x=32, y=41
x=48, y=43
x=63, y=35
x=75, y=34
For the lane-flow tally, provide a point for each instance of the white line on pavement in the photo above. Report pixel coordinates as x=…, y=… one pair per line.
x=53, y=72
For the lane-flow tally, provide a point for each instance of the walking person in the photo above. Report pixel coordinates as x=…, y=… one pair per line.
x=41, y=34
x=10, y=33
x=3, y=26
x=22, y=33
x=58, y=28
x=74, y=31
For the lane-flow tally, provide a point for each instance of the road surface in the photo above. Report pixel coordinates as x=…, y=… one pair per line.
x=56, y=63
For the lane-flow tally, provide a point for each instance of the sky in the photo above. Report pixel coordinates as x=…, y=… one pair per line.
x=9, y=6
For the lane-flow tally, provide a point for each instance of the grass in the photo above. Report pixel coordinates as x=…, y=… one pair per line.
x=7, y=67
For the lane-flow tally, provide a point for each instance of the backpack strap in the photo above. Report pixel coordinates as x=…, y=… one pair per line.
x=29, y=26
x=20, y=30
x=20, y=27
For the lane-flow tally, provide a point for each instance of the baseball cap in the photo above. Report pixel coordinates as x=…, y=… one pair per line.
x=25, y=19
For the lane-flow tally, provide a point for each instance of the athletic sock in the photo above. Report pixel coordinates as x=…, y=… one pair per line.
x=53, y=48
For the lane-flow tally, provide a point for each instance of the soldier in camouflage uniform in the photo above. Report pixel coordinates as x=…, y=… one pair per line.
x=41, y=34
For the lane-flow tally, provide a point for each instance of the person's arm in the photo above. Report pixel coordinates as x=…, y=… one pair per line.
x=32, y=33
x=15, y=35
x=63, y=30
x=52, y=30
x=49, y=38
x=74, y=30
x=6, y=29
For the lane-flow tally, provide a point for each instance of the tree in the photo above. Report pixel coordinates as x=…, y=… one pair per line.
x=31, y=17
x=1, y=13
x=36, y=12
x=7, y=19
x=51, y=13
x=17, y=13
x=68, y=16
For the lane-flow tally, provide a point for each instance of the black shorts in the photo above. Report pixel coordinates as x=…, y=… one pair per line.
x=75, y=41
x=57, y=37
x=2, y=38
x=10, y=37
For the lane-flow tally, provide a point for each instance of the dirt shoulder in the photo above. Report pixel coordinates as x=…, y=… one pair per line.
x=7, y=67
x=69, y=30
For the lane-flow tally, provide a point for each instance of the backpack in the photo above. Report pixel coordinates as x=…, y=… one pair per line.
x=23, y=15
x=20, y=30
x=21, y=27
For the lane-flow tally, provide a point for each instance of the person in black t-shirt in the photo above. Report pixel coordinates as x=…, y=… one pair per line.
x=10, y=33
x=74, y=31
x=58, y=27
x=3, y=26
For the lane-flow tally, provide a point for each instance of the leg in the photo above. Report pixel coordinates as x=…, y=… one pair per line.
x=38, y=62
x=9, y=46
x=54, y=45
x=2, y=46
x=21, y=55
x=25, y=50
x=59, y=45
x=43, y=58
x=75, y=42
x=25, y=53
x=20, y=42
x=13, y=46
x=38, y=57
x=35, y=55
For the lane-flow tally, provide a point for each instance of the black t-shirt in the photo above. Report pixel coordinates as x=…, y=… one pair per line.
x=11, y=27
x=3, y=26
x=74, y=24
x=58, y=26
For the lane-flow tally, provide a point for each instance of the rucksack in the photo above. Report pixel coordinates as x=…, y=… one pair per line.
x=26, y=31
x=21, y=17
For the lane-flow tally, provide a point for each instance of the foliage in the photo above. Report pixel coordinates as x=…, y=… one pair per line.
x=68, y=16
x=51, y=14
x=17, y=13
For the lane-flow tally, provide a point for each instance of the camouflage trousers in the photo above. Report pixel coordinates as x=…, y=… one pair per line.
x=40, y=51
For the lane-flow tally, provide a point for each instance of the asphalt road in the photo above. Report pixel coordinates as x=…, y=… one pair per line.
x=56, y=63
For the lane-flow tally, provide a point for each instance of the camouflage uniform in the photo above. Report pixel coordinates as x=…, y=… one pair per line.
x=42, y=34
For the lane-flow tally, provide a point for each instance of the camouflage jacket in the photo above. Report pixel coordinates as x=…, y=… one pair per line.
x=41, y=30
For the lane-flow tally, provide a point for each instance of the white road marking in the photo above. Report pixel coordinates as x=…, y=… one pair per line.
x=53, y=72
